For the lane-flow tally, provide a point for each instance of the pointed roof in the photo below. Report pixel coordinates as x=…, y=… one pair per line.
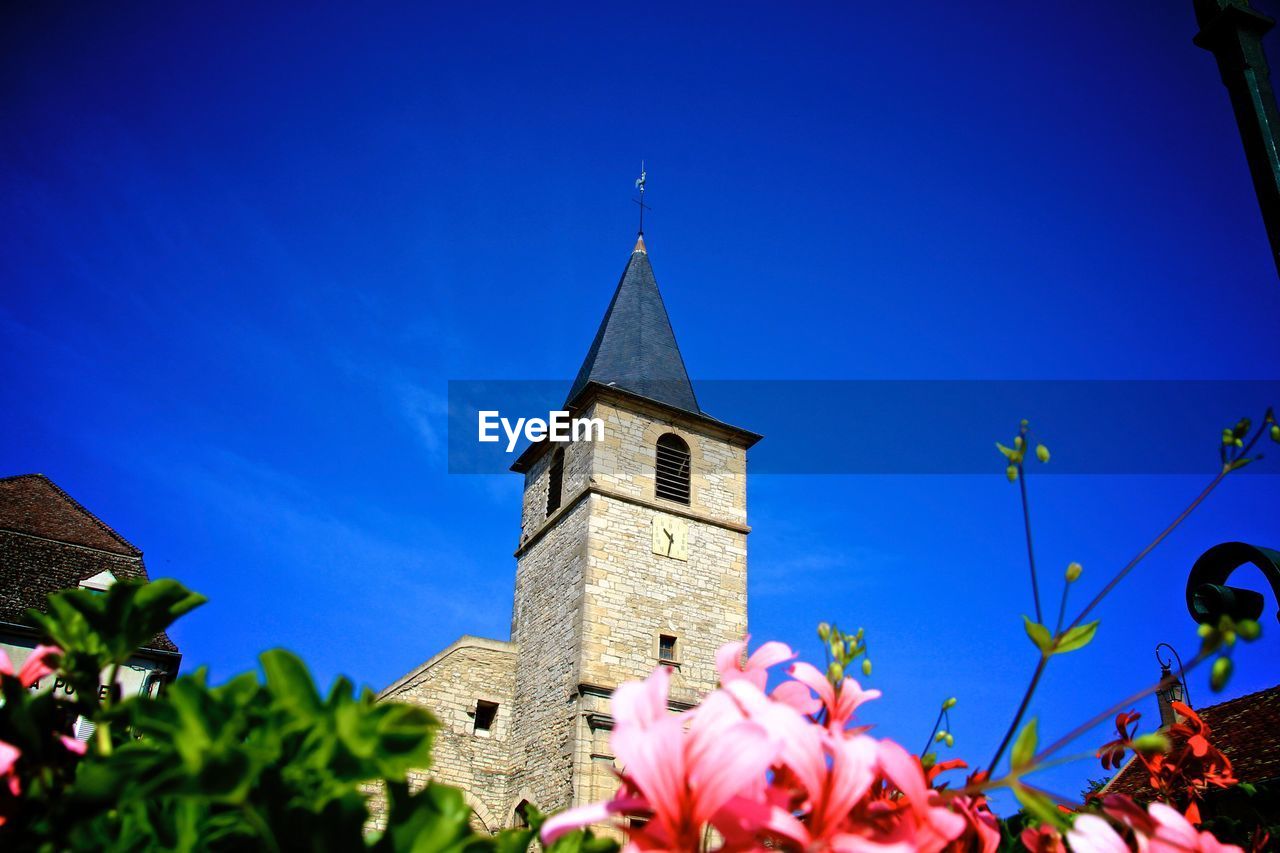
x=50, y=542
x=635, y=348
x=35, y=505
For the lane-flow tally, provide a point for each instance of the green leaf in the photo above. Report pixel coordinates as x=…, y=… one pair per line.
x=1024, y=747
x=1040, y=807
x=1076, y=638
x=512, y=841
x=1039, y=635
x=289, y=682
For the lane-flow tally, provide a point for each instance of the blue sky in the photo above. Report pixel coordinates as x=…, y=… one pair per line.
x=245, y=249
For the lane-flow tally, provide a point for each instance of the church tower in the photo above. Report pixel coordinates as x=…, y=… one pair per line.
x=632, y=553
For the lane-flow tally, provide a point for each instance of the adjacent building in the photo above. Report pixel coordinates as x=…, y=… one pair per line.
x=632, y=553
x=50, y=542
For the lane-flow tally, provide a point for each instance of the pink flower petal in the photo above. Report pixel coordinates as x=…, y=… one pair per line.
x=1092, y=834
x=770, y=654
x=807, y=675
x=798, y=696
x=8, y=756
x=741, y=754
x=571, y=819
x=729, y=660
x=73, y=745
x=37, y=665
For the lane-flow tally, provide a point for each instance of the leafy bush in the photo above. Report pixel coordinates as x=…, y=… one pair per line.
x=260, y=762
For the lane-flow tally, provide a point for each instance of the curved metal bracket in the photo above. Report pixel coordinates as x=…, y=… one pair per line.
x=1166, y=669
x=1208, y=596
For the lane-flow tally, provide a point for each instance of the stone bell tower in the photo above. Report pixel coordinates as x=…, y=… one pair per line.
x=633, y=550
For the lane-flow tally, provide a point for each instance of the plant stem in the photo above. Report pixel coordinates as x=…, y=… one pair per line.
x=1062, y=608
x=1026, y=524
x=1213, y=484
x=1022, y=709
x=929, y=742
x=255, y=820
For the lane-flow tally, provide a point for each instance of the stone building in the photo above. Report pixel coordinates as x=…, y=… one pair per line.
x=632, y=553
x=49, y=542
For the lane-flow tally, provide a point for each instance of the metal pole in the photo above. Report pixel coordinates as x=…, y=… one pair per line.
x=1232, y=32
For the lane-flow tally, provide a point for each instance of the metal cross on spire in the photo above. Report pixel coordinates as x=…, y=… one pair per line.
x=640, y=201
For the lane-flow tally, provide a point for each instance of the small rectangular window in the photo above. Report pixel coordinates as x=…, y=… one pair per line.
x=666, y=648
x=485, y=714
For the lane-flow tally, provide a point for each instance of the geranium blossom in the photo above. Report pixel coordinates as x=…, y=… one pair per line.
x=37, y=665
x=790, y=770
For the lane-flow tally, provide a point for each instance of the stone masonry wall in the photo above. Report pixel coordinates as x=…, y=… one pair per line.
x=547, y=624
x=449, y=685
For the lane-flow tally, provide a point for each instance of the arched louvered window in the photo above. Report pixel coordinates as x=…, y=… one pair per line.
x=672, y=474
x=555, y=480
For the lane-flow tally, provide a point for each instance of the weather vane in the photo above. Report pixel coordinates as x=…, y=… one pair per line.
x=640, y=201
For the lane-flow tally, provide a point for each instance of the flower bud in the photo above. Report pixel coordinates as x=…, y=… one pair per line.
x=951, y=740
x=1017, y=442
x=1012, y=473
x=866, y=667
x=835, y=672
x=1203, y=630
x=824, y=631
x=1248, y=630
x=1042, y=453
x=1221, y=672
x=940, y=736
x=949, y=704
x=1275, y=433
x=1073, y=572
x=1150, y=742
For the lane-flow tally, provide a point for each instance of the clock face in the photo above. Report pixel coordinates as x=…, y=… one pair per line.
x=671, y=536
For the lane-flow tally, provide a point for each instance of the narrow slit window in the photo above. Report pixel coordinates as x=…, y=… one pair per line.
x=672, y=469
x=486, y=712
x=666, y=648
x=555, y=480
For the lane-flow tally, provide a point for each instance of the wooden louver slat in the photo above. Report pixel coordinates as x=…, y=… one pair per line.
x=671, y=470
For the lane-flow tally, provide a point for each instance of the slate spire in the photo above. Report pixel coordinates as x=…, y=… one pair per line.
x=635, y=348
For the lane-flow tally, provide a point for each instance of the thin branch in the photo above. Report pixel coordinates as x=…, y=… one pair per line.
x=1026, y=524
x=1097, y=599
x=1022, y=709
x=929, y=742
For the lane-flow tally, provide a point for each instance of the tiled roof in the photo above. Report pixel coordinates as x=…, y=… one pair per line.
x=31, y=503
x=1244, y=729
x=635, y=348
x=48, y=542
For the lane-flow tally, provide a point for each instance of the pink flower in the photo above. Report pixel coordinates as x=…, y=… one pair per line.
x=1092, y=834
x=1175, y=834
x=840, y=704
x=36, y=666
x=1042, y=839
x=685, y=770
x=921, y=821
x=756, y=669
